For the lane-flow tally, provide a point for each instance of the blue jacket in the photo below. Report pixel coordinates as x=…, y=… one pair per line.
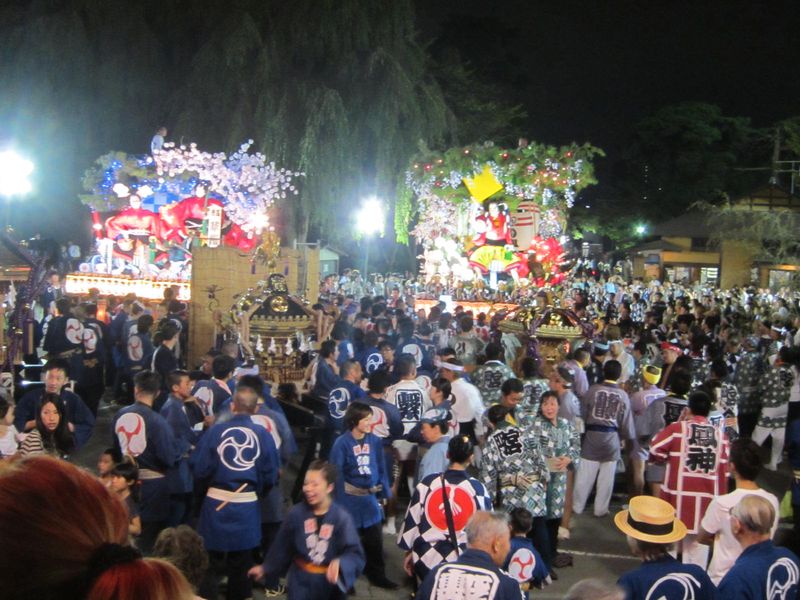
x=145, y=435
x=339, y=399
x=667, y=578
x=231, y=454
x=762, y=570
x=76, y=411
x=182, y=419
x=360, y=463
x=482, y=574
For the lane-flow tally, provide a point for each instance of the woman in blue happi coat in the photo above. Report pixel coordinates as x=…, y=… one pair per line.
x=319, y=543
x=363, y=485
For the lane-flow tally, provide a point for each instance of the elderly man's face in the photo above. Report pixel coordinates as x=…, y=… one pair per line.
x=501, y=547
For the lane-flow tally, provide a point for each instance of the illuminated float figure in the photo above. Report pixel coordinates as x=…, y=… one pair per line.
x=135, y=232
x=203, y=217
x=495, y=251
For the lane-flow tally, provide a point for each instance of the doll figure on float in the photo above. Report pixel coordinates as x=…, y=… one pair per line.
x=494, y=250
x=189, y=218
x=136, y=232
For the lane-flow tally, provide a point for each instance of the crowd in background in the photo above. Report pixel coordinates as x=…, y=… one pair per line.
x=433, y=419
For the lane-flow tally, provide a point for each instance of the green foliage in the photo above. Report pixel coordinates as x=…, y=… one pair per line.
x=773, y=232
x=340, y=89
x=790, y=130
x=686, y=153
x=550, y=176
x=403, y=212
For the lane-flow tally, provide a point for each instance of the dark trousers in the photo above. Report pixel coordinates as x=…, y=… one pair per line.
x=150, y=531
x=269, y=532
x=180, y=506
x=541, y=540
x=552, y=535
x=372, y=541
x=235, y=565
x=747, y=423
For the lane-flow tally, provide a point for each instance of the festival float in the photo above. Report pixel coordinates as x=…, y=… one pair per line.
x=549, y=332
x=150, y=213
x=491, y=220
x=269, y=312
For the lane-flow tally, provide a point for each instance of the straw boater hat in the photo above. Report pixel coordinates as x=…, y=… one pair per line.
x=651, y=520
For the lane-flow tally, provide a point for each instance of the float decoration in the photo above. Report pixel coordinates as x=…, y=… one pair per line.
x=179, y=197
x=269, y=311
x=497, y=208
x=247, y=184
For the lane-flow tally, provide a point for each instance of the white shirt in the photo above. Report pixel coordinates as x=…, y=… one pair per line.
x=626, y=362
x=156, y=143
x=8, y=442
x=717, y=520
x=468, y=404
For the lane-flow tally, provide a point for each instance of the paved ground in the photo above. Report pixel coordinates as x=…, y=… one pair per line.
x=599, y=549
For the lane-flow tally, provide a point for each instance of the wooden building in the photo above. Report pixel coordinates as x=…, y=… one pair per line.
x=680, y=248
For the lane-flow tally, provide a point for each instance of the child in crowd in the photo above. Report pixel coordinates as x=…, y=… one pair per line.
x=8, y=433
x=183, y=547
x=105, y=464
x=523, y=562
x=123, y=479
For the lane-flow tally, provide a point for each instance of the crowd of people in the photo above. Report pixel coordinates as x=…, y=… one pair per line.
x=682, y=395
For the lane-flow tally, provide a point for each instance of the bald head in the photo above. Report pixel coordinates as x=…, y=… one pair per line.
x=755, y=514
x=488, y=531
x=244, y=401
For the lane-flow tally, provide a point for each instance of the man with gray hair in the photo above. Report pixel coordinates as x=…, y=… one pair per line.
x=763, y=570
x=476, y=573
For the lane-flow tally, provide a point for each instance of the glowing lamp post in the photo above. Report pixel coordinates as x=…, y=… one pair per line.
x=369, y=221
x=14, y=173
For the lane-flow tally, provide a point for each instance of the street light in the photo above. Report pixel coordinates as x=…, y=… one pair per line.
x=369, y=221
x=641, y=229
x=14, y=173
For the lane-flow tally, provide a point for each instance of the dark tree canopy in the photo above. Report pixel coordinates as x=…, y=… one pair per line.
x=343, y=91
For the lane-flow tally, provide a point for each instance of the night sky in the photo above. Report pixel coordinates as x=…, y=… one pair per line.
x=588, y=71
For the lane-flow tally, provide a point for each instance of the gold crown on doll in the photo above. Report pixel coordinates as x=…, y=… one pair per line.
x=484, y=185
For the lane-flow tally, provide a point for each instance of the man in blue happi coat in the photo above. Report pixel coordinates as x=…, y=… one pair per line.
x=238, y=460
x=146, y=437
x=343, y=394
x=213, y=393
x=79, y=418
x=476, y=573
x=763, y=570
x=653, y=530
x=185, y=417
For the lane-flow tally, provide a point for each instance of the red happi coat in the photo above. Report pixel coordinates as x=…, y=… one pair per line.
x=696, y=455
